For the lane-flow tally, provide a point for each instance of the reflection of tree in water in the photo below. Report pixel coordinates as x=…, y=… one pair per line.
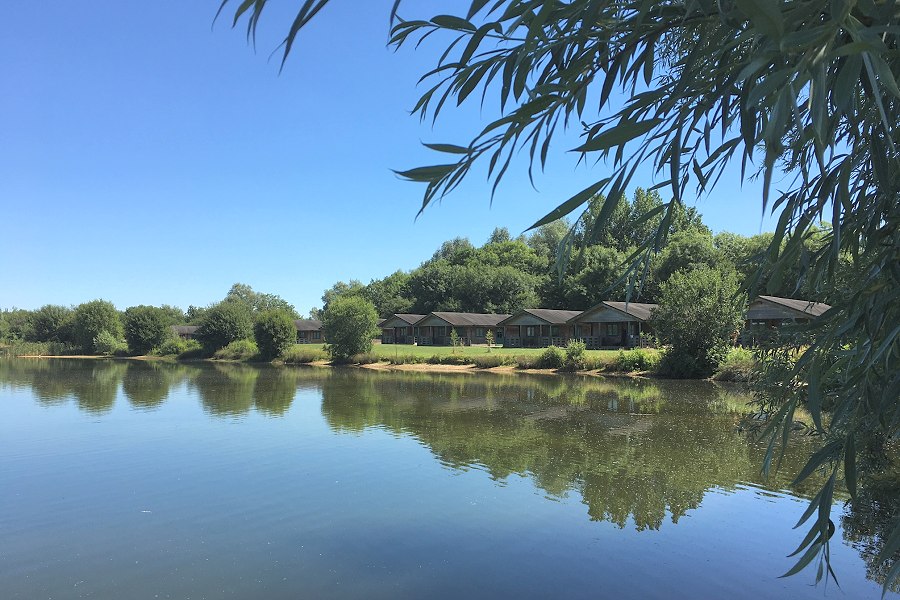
x=226, y=390
x=632, y=449
x=275, y=389
x=93, y=384
x=146, y=384
x=869, y=521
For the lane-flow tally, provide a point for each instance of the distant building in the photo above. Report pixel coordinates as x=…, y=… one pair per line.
x=309, y=331
x=185, y=332
x=613, y=325
x=538, y=328
x=767, y=313
x=400, y=328
x=435, y=328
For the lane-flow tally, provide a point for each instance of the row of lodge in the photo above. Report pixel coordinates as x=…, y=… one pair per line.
x=606, y=325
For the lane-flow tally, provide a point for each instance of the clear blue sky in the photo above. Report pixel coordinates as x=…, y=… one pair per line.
x=148, y=157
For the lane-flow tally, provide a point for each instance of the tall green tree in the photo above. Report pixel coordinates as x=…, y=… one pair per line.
x=223, y=323
x=52, y=323
x=90, y=319
x=350, y=323
x=146, y=327
x=274, y=333
x=700, y=314
x=809, y=88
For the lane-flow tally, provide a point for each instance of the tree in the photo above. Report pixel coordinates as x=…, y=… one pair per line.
x=223, y=323
x=274, y=332
x=257, y=301
x=809, y=88
x=51, y=323
x=92, y=318
x=700, y=313
x=350, y=323
x=146, y=327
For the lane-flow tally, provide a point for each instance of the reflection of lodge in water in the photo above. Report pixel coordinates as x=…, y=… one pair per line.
x=636, y=452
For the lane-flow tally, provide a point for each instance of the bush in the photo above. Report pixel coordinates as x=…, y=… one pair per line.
x=274, y=332
x=700, y=311
x=192, y=350
x=302, y=354
x=20, y=348
x=146, y=327
x=737, y=366
x=224, y=323
x=552, y=358
x=350, y=323
x=238, y=350
x=575, y=357
x=107, y=343
x=489, y=361
x=90, y=320
x=636, y=360
x=449, y=359
x=405, y=359
x=366, y=358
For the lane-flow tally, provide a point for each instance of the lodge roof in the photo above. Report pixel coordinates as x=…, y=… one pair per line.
x=813, y=309
x=405, y=317
x=308, y=324
x=185, y=329
x=549, y=315
x=458, y=319
x=638, y=310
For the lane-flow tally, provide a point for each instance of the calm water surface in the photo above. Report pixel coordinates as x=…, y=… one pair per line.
x=132, y=480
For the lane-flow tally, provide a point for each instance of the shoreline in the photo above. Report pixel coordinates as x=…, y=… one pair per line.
x=377, y=366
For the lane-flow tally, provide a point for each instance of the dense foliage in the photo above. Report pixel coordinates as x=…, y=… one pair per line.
x=274, y=332
x=350, y=323
x=223, y=323
x=146, y=327
x=699, y=316
x=93, y=318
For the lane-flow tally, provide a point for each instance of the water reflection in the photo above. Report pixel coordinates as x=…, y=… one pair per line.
x=639, y=454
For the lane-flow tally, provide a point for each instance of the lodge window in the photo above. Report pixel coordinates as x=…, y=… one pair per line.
x=479, y=332
x=529, y=331
x=612, y=329
x=317, y=335
x=554, y=330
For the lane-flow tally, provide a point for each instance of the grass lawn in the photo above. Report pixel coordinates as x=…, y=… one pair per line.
x=426, y=351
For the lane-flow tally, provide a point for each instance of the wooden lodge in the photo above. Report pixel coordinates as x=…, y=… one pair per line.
x=613, y=325
x=767, y=313
x=538, y=328
x=185, y=332
x=400, y=328
x=309, y=331
x=435, y=328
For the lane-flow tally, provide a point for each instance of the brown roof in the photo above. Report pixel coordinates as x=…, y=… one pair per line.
x=407, y=317
x=185, y=329
x=813, y=309
x=458, y=319
x=638, y=310
x=550, y=315
x=308, y=325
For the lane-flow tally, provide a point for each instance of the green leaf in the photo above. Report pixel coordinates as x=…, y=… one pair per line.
x=622, y=133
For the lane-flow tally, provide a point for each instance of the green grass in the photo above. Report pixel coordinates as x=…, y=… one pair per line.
x=389, y=350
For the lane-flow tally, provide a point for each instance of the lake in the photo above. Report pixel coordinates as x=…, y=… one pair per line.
x=125, y=479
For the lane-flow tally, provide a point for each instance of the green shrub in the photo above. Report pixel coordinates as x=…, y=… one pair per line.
x=274, y=332
x=146, y=327
x=350, y=323
x=224, y=323
x=404, y=359
x=238, y=350
x=737, y=366
x=192, y=350
x=302, y=354
x=489, y=361
x=597, y=362
x=575, y=357
x=365, y=358
x=20, y=348
x=93, y=318
x=527, y=361
x=172, y=346
x=636, y=360
x=552, y=358
x=107, y=343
